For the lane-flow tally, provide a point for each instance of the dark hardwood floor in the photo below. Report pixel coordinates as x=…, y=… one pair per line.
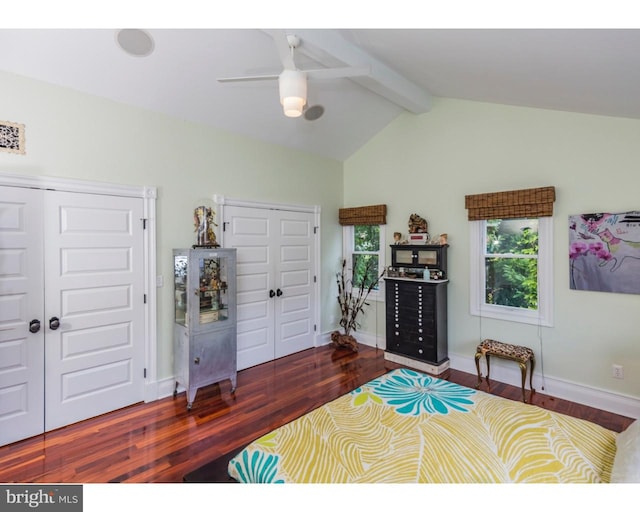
x=162, y=441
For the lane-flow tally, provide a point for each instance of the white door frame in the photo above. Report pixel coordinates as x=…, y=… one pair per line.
x=222, y=201
x=149, y=196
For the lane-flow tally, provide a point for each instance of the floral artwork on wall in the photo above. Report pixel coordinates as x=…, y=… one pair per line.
x=604, y=252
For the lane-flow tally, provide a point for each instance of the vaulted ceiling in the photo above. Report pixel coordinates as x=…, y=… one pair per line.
x=593, y=71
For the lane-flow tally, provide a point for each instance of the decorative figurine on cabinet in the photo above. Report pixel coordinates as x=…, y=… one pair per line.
x=203, y=223
x=397, y=239
x=417, y=224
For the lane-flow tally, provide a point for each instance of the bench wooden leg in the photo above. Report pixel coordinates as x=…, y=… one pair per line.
x=478, y=356
x=487, y=357
x=533, y=365
x=523, y=370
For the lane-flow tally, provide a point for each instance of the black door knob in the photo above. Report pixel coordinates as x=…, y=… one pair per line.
x=54, y=323
x=34, y=326
x=272, y=293
x=279, y=292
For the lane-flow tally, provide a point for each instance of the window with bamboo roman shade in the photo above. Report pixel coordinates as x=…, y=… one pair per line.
x=511, y=254
x=513, y=204
x=363, y=215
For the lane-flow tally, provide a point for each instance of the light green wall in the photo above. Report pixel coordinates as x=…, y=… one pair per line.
x=73, y=135
x=428, y=163
x=424, y=164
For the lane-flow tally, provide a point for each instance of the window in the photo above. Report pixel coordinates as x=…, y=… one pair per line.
x=511, y=269
x=363, y=244
x=364, y=252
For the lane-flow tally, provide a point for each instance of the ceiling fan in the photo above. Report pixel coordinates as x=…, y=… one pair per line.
x=292, y=81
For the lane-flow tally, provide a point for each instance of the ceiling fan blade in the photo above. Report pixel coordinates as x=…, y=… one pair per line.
x=248, y=78
x=338, y=72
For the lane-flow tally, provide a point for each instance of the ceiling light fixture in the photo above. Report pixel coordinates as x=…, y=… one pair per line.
x=293, y=92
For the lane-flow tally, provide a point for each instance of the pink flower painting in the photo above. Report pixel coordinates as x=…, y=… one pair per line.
x=604, y=252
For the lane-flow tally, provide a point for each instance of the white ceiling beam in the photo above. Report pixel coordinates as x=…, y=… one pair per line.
x=381, y=80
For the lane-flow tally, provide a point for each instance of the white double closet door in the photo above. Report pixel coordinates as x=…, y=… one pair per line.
x=71, y=308
x=276, y=281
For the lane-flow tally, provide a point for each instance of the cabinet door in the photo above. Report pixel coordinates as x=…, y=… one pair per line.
x=211, y=275
x=212, y=357
x=427, y=257
x=403, y=257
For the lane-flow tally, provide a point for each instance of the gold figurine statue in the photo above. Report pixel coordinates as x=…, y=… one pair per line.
x=203, y=223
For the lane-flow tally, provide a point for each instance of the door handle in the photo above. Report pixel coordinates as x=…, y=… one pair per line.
x=34, y=325
x=54, y=323
x=278, y=292
x=272, y=293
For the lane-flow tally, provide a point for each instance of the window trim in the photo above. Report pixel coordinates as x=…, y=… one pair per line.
x=478, y=307
x=347, y=254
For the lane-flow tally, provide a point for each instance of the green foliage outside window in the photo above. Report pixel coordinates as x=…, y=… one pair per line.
x=366, y=240
x=511, y=263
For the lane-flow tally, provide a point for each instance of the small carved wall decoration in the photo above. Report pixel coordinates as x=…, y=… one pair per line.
x=12, y=137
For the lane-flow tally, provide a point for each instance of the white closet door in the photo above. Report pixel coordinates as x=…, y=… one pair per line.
x=94, y=285
x=293, y=245
x=275, y=281
x=249, y=231
x=21, y=301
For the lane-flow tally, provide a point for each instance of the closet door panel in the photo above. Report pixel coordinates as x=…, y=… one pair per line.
x=294, y=269
x=249, y=230
x=94, y=287
x=21, y=302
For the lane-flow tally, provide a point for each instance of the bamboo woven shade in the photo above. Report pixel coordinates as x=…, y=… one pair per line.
x=363, y=215
x=513, y=204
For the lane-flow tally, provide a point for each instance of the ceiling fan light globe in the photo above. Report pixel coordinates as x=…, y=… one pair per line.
x=293, y=92
x=293, y=106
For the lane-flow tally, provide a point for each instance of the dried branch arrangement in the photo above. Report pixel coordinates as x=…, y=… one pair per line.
x=352, y=298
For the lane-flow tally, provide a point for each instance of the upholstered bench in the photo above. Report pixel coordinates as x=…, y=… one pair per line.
x=516, y=353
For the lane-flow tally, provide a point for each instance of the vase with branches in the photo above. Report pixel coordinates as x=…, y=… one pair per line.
x=352, y=298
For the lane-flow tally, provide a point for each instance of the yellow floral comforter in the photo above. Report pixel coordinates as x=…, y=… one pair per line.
x=407, y=426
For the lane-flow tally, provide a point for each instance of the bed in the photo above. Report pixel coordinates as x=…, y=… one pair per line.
x=407, y=426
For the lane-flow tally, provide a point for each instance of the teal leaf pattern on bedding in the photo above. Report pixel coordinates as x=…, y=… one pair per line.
x=413, y=393
x=257, y=467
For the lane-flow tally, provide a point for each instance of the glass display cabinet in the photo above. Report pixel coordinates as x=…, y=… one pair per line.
x=205, y=345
